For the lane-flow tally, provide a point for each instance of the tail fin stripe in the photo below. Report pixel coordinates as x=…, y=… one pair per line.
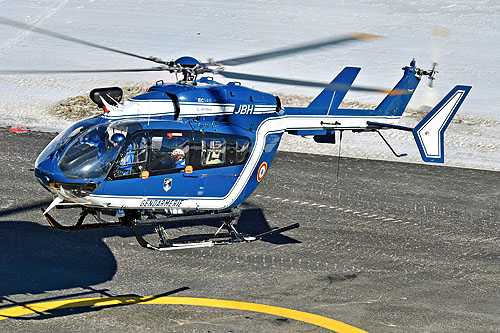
x=329, y=99
x=429, y=133
x=331, y=102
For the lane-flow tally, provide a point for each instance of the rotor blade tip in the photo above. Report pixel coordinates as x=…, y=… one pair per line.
x=366, y=36
x=399, y=92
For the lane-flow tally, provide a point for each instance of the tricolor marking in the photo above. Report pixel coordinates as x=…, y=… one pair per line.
x=262, y=171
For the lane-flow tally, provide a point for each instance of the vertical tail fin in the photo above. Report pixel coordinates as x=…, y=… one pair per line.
x=396, y=101
x=429, y=133
x=330, y=99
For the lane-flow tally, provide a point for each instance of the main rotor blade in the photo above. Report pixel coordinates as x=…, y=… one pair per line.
x=63, y=71
x=341, y=87
x=20, y=25
x=294, y=49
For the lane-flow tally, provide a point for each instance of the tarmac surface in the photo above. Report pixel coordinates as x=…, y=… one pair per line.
x=385, y=247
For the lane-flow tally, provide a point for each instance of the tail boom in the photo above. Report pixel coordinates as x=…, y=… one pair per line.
x=323, y=117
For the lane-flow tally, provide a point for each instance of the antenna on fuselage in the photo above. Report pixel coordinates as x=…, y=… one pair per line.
x=338, y=157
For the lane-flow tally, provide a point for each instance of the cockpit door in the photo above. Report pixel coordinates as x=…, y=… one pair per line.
x=130, y=167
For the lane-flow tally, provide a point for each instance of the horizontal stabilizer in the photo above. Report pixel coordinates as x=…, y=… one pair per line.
x=429, y=133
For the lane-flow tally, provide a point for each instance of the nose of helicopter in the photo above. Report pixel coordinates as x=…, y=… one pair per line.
x=45, y=171
x=49, y=175
x=51, y=178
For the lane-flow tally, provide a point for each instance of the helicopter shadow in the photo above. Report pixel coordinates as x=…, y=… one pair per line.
x=36, y=259
x=252, y=221
x=79, y=306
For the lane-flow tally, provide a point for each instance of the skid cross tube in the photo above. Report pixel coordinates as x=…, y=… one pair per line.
x=186, y=218
x=79, y=224
x=128, y=220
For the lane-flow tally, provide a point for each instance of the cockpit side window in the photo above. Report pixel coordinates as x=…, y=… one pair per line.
x=133, y=157
x=170, y=151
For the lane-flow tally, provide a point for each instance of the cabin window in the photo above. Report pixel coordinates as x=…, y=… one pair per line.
x=242, y=150
x=169, y=151
x=218, y=150
x=213, y=151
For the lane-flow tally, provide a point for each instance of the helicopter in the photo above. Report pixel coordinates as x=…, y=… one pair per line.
x=196, y=149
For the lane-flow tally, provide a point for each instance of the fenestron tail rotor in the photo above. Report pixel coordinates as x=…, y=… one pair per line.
x=190, y=67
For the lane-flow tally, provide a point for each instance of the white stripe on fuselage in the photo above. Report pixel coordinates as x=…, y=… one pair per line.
x=268, y=126
x=157, y=108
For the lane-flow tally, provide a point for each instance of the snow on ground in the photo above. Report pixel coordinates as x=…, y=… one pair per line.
x=462, y=36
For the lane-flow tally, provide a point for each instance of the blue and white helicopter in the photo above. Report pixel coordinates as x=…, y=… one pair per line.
x=196, y=149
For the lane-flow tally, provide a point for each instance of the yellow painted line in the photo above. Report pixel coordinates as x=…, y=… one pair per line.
x=305, y=317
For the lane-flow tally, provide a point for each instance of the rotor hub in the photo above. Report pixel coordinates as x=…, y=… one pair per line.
x=187, y=61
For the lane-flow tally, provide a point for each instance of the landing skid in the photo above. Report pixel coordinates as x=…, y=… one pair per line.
x=133, y=220
x=196, y=241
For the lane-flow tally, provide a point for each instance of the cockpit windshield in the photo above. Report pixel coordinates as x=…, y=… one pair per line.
x=93, y=152
x=64, y=138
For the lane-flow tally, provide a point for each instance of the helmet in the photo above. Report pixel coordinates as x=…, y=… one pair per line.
x=117, y=138
x=91, y=139
x=178, y=152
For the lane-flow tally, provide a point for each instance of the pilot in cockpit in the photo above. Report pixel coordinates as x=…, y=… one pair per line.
x=127, y=160
x=117, y=138
x=93, y=139
x=179, y=158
